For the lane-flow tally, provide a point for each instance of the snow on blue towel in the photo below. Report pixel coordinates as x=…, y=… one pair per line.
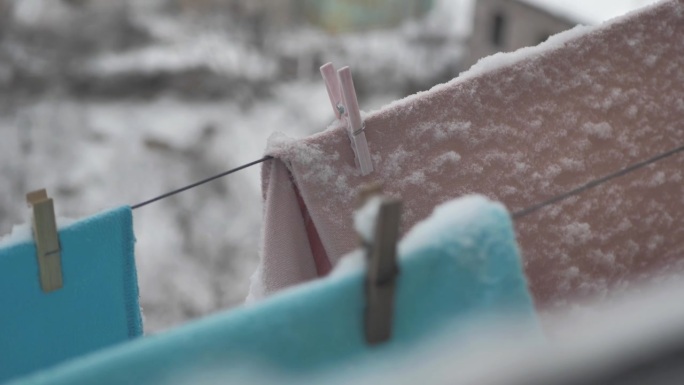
x=96, y=308
x=460, y=264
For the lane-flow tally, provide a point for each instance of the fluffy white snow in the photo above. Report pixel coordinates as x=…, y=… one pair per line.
x=24, y=233
x=366, y=217
x=462, y=212
x=505, y=59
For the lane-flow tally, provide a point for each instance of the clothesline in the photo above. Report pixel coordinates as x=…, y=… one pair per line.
x=595, y=183
x=516, y=215
x=201, y=182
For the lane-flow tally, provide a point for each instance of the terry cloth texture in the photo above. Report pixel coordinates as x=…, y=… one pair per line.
x=97, y=307
x=519, y=128
x=457, y=268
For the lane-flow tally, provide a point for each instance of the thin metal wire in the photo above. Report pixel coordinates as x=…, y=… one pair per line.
x=594, y=183
x=203, y=181
x=516, y=215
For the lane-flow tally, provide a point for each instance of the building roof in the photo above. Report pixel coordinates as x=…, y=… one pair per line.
x=588, y=11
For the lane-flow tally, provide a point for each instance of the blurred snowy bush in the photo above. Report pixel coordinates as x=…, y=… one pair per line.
x=108, y=103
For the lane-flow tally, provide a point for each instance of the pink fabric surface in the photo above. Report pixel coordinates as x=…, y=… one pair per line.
x=318, y=253
x=522, y=133
x=287, y=258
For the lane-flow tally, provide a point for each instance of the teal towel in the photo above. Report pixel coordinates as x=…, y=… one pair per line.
x=460, y=264
x=97, y=307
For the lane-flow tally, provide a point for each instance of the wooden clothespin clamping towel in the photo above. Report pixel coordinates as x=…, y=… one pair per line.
x=46, y=239
x=382, y=272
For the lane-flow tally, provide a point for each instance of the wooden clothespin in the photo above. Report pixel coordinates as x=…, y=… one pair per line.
x=46, y=239
x=382, y=272
x=343, y=99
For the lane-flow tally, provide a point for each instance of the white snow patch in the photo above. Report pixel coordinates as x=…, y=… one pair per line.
x=366, y=217
x=601, y=130
x=279, y=142
x=464, y=212
x=24, y=232
x=632, y=111
x=657, y=179
x=572, y=164
x=416, y=177
x=452, y=130
x=552, y=171
x=395, y=161
x=448, y=158
x=506, y=59
x=577, y=233
x=350, y=264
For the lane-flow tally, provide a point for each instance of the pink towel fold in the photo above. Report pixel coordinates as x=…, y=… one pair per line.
x=518, y=128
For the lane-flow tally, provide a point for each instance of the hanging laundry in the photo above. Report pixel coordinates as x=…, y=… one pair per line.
x=519, y=128
x=634, y=339
x=96, y=307
x=458, y=268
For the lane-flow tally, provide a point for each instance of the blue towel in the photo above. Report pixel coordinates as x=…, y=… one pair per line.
x=97, y=307
x=460, y=264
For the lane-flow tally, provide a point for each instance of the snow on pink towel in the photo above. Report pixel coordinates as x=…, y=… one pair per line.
x=518, y=128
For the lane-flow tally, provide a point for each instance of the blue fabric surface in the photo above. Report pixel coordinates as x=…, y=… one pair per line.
x=460, y=263
x=97, y=307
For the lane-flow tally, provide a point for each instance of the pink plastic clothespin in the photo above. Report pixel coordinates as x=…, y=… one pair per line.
x=332, y=84
x=343, y=99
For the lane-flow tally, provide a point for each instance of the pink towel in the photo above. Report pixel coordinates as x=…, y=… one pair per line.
x=519, y=128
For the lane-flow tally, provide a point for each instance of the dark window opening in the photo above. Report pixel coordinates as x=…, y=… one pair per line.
x=499, y=23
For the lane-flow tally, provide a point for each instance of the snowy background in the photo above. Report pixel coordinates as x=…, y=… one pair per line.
x=114, y=104
x=107, y=106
